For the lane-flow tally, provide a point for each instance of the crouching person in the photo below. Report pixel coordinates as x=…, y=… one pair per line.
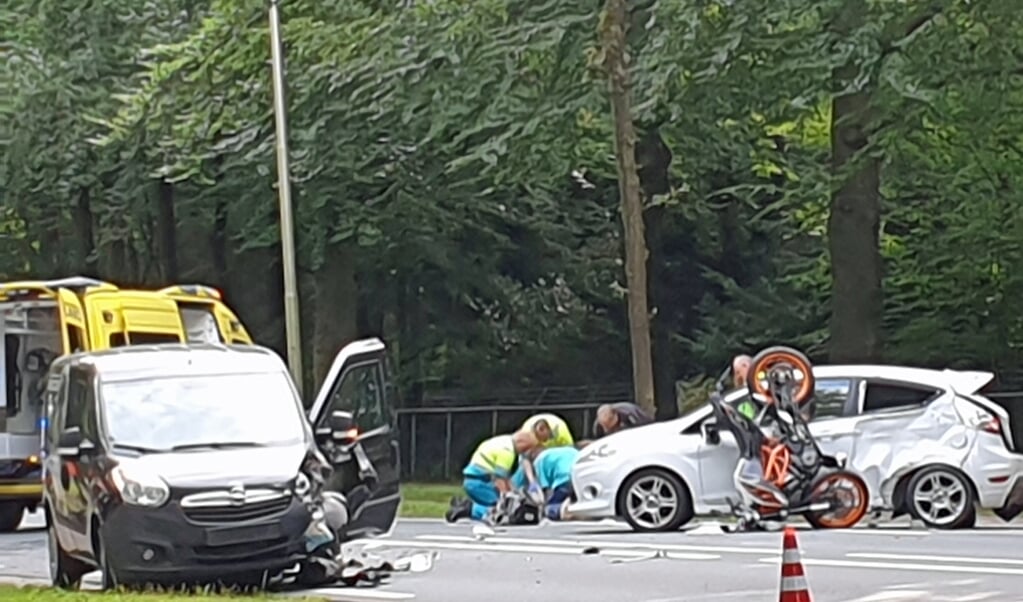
x=488, y=474
x=550, y=475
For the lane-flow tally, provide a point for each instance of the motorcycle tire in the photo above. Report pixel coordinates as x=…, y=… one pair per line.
x=827, y=519
x=771, y=357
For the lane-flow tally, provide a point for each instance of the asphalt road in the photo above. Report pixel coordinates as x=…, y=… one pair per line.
x=606, y=563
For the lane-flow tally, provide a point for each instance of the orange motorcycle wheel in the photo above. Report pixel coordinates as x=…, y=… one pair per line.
x=852, y=499
x=776, y=356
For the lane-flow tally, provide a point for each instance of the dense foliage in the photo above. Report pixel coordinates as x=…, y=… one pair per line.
x=455, y=184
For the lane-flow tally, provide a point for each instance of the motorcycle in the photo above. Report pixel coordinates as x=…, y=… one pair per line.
x=782, y=471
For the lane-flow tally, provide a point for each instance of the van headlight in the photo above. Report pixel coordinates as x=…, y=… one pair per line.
x=139, y=487
x=302, y=485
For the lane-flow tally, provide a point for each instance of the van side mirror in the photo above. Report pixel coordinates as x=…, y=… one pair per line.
x=72, y=443
x=340, y=427
x=710, y=433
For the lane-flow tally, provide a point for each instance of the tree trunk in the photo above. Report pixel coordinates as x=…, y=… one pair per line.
x=653, y=161
x=167, y=232
x=854, y=221
x=335, y=308
x=84, y=233
x=613, y=30
x=218, y=242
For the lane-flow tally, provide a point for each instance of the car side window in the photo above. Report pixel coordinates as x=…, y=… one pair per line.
x=881, y=397
x=831, y=395
x=360, y=393
x=55, y=389
x=81, y=407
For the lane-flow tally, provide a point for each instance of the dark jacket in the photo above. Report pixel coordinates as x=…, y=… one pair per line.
x=629, y=415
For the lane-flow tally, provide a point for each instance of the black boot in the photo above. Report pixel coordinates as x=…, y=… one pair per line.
x=460, y=508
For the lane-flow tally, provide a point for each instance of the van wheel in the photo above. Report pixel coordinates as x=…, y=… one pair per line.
x=942, y=498
x=108, y=578
x=65, y=571
x=655, y=499
x=11, y=514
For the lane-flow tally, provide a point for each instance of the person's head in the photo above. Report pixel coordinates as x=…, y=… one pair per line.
x=524, y=442
x=542, y=430
x=607, y=418
x=740, y=369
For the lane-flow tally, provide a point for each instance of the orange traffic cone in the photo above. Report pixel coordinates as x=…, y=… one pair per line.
x=793, y=582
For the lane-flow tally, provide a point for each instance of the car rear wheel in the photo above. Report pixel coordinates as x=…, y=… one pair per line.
x=655, y=499
x=942, y=498
x=65, y=571
x=11, y=514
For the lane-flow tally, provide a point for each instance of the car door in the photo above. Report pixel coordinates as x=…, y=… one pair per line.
x=890, y=418
x=836, y=414
x=69, y=471
x=366, y=455
x=717, y=461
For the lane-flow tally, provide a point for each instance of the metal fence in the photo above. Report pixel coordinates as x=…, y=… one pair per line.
x=437, y=441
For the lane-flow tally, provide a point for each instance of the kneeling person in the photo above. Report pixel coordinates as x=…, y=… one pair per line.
x=551, y=472
x=488, y=473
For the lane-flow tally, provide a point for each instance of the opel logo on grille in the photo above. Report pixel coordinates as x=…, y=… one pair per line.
x=237, y=494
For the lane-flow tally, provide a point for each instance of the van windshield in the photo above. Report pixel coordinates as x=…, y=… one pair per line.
x=222, y=410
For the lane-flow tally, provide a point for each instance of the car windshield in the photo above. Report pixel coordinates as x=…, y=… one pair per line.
x=196, y=411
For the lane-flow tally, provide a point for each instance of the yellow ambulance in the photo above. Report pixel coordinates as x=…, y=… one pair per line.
x=41, y=320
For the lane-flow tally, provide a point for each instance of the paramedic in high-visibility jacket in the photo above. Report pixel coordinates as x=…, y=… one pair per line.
x=488, y=474
x=551, y=430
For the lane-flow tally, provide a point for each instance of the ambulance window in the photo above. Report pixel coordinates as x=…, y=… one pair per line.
x=200, y=324
x=152, y=338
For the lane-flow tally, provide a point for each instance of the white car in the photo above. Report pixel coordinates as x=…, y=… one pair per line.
x=924, y=440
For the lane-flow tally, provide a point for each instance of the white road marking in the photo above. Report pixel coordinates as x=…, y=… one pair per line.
x=349, y=594
x=894, y=596
x=610, y=545
x=748, y=593
x=925, y=558
x=890, y=531
x=903, y=566
x=578, y=550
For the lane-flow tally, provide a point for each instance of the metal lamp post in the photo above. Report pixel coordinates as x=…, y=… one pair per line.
x=291, y=311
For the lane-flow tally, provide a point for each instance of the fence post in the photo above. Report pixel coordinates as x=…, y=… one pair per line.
x=586, y=422
x=447, y=447
x=493, y=423
x=412, y=447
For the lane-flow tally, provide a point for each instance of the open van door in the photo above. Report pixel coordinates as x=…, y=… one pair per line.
x=72, y=322
x=230, y=326
x=356, y=429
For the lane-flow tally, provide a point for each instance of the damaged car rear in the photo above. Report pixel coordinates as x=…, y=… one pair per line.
x=188, y=464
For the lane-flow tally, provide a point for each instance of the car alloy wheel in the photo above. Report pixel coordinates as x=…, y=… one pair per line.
x=655, y=500
x=941, y=497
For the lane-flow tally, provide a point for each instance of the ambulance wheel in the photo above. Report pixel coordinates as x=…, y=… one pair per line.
x=11, y=514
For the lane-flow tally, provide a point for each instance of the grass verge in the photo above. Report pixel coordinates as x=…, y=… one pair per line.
x=427, y=500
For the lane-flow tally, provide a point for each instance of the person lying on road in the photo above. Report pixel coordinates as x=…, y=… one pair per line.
x=549, y=476
x=487, y=474
x=550, y=430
